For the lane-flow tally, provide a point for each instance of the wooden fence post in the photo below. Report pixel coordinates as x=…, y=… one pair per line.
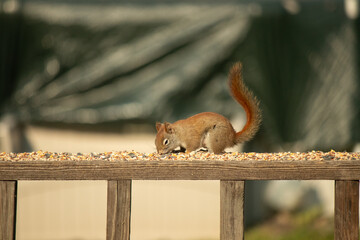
x=346, y=210
x=118, y=210
x=232, y=210
x=8, y=192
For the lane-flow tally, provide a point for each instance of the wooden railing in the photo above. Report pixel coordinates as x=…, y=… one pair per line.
x=232, y=175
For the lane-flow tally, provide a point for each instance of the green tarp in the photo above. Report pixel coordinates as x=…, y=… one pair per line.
x=100, y=62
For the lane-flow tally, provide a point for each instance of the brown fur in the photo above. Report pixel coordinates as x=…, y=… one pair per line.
x=211, y=130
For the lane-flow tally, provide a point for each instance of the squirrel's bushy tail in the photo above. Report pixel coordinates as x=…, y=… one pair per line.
x=248, y=101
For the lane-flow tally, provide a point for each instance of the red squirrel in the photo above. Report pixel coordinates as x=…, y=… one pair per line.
x=211, y=130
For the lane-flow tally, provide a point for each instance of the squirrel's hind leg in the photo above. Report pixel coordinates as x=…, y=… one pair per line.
x=217, y=139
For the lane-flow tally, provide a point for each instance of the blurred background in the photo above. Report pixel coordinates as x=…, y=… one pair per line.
x=95, y=75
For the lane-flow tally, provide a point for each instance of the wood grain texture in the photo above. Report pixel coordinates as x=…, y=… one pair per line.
x=232, y=210
x=118, y=210
x=8, y=192
x=347, y=210
x=180, y=170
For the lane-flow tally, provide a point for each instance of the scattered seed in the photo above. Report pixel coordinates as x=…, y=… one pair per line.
x=193, y=156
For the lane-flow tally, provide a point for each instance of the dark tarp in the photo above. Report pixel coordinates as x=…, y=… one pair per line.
x=102, y=62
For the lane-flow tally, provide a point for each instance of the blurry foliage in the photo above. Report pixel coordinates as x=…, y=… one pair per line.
x=309, y=224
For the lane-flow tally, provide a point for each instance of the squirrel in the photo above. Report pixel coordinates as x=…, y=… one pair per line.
x=211, y=130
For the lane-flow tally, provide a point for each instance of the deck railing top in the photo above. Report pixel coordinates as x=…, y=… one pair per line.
x=120, y=168
x=181, y=166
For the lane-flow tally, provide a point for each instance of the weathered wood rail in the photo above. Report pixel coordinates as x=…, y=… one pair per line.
x=232, y=174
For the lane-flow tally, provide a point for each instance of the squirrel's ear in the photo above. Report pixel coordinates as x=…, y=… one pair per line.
x=158, y=126
x=168, y=128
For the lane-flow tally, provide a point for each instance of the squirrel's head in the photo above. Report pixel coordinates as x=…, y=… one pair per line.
x=166, y=140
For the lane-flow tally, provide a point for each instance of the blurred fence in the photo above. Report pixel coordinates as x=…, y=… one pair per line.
x=232, y=174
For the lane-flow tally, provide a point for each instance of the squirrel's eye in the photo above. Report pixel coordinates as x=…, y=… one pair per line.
x=166, y=141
